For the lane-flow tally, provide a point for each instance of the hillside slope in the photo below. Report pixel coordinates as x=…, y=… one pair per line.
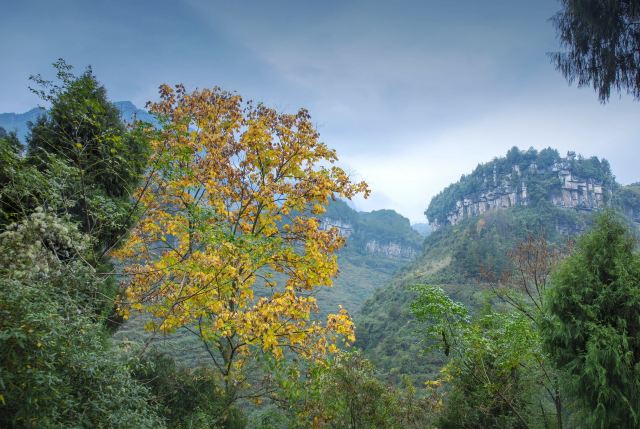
x=462, y=248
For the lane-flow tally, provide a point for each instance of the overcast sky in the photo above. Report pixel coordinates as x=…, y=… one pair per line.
x=412, y=94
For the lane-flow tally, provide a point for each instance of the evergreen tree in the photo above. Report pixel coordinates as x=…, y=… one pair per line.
x=603, y=41
x=592, y=329
x=84, y=130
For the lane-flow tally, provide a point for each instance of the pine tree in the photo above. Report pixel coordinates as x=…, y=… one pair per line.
x=592, y=327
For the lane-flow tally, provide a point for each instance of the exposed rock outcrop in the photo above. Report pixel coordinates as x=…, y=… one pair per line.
x=511, y=190
x=390, y=250
x=381, y=233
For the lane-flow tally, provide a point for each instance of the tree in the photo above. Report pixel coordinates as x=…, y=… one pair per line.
x=186, y=397
x=84, y=130
x=592, y=329
x=346, y=392
x=230, y=247
x=523, y=288
x=602, y=39
x=488, y=362
x=82, y=163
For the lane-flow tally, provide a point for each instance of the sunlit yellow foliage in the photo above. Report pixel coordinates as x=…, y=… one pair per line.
x=229, y=245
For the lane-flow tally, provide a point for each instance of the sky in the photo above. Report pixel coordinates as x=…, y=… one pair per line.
x=412, y=94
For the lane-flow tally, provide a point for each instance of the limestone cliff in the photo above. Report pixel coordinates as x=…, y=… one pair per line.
x=382, y=232
x=521, y=179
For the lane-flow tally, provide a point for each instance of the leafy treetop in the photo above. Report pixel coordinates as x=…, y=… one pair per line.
x=234, y=191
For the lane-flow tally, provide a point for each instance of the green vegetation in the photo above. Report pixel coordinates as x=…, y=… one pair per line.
x=361, y=274
x=492, y=366
x=343, y=393
x=383, y=226
x=458, y=258
x=592, y=331
x=104, y=159
x=66, y=199
x=601, y=42
x=59, y=211
x=508, y=174
x=363, y=270
x=57, y=367
x=627, y=200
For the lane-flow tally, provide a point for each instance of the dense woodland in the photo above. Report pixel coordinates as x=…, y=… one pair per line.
x=205, y=222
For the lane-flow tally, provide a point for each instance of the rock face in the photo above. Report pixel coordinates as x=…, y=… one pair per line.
x=569, y=191
x=390, y=250
x=579, y=193
x=345, y=228
x=382, y=233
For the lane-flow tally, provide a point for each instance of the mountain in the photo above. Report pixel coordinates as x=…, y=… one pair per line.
x=129, y=112
x=525, y=178
x=627, y=200
x=19, y=122
x=378, y=245
x=477, y=221
x=424, y=229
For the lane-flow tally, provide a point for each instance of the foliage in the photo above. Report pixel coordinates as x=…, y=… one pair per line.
x=20, y=187
x=457, y=259
x=57, y=368
x=492, y=382
x=345, y=392
x=360, y=274
x=84, y=131
x=234, y=191
x=448, y=318
x=523, y=289
x=592, y=331
x=627, y=200
x=186, y=398
x=82, y=164
x=490, y=371
x=601, y=41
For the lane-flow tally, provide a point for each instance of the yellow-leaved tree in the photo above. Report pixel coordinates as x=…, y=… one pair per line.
x=229, y=245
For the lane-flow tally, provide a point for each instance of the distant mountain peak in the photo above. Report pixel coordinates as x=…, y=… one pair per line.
x=19, y=122
x=122, y=105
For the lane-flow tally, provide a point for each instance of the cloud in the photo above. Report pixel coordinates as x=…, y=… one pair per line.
x=411, y=174
x=412, y=94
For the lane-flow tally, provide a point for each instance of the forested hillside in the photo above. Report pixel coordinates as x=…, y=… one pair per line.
x=464, y=257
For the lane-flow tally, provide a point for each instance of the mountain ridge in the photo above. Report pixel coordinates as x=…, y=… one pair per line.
x=525, y=178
